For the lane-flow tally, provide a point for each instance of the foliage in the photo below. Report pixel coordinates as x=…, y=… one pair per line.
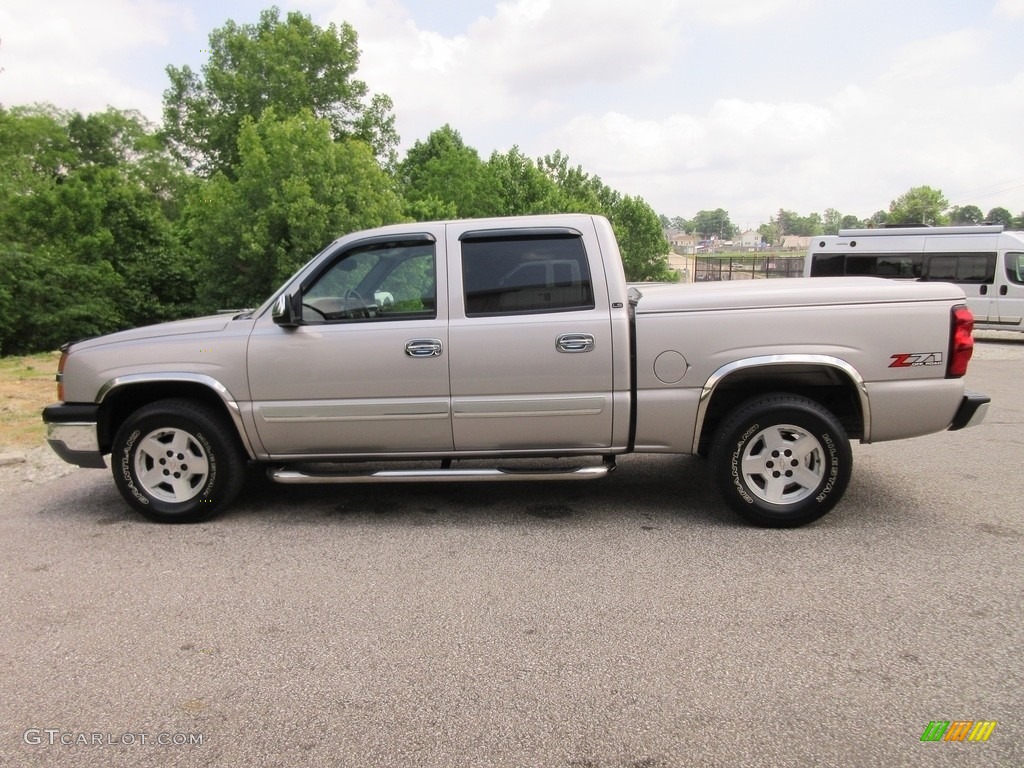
x=288, y=65
x=968, y=214
x=641, y=241
x=919, y=205
x=442, y=178
x=295, y=189
x=86, y=242
x=1000, y=216
x=714, y=223
x=521, y=187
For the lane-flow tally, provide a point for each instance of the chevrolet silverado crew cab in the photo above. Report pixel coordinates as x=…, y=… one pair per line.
x=398, y=353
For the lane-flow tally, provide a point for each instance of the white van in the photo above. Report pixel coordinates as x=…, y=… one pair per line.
x=985, y=261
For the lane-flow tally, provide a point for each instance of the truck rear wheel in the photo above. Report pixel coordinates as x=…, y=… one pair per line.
x=177, y=461
x=781, y=460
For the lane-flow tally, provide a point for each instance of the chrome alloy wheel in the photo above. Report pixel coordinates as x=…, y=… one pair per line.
x=783, y=464
x=171, y=465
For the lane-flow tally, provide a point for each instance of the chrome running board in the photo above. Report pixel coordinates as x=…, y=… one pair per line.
x=293, y=476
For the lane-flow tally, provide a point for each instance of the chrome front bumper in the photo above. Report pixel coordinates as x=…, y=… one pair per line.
x=72, y=434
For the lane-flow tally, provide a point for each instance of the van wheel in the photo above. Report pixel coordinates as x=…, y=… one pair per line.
x=177, y=461
x=781, y=460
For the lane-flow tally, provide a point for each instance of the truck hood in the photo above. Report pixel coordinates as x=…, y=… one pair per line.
x=208, y=324
x=789, y=292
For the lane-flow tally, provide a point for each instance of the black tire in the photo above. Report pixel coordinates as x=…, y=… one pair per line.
x=177, y=461
x=781, y=460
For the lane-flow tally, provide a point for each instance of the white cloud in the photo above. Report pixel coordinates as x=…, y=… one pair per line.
x=740, y=12
x=73, y=54
x=1009, y=9
x=942, y=56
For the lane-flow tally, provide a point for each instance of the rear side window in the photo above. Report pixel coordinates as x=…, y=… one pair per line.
x=823, y=265
x=961, y=267
x=525, y=274
x=896, y=265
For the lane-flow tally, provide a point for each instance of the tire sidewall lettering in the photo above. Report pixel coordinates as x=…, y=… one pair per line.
x=833, y=467
x=126, y=467
x=734, y=463
x=211, y=457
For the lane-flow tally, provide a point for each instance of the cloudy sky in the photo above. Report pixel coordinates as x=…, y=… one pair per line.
x=748, y=105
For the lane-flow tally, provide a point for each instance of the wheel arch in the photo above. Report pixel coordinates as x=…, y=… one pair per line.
x=829, y=381
x=122, y=396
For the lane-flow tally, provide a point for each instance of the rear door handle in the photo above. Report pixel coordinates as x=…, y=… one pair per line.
x=423, y=348
x=575, y=342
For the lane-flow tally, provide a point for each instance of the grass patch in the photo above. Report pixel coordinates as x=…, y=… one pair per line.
x=26, y=385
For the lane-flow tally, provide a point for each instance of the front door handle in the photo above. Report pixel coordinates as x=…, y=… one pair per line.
x=575, y=342
x=423, y=348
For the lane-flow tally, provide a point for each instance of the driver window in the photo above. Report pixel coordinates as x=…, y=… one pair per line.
x=1015, y=267
x=384, y=281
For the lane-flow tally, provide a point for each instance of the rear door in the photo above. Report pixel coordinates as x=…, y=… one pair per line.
x=530, y=342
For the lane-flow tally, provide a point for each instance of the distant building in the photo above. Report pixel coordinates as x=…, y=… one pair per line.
x=681, y=242
x=795, y=243
x=750, y=240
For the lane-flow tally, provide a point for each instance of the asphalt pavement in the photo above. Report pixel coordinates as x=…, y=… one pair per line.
x=632, y=621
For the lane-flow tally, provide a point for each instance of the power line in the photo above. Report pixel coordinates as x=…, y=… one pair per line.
x=966, y=198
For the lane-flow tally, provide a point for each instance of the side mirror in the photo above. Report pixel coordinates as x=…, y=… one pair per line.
x=287, y=310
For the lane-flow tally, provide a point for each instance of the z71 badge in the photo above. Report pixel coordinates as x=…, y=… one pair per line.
x=914, y=359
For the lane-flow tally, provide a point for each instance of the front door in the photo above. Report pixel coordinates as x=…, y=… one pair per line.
x=367, y=371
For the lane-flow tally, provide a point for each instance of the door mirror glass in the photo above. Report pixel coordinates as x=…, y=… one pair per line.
x=287, y=310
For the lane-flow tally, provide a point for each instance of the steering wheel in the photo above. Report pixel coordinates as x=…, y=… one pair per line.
x=362, y=310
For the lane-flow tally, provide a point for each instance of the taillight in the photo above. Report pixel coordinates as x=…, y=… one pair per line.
x=961, y=343
x=60, y=374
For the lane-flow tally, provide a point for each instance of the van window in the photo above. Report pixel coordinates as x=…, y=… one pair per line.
x=905, y=265
x=1015, y=268
x=961, y=267
x=827, y=265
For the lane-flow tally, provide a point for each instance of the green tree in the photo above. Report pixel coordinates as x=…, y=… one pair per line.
x=683, y=225
x=576, y=190
x=714, y=223
x=521, y=187
x=1018, y=223
x=296, y=189
x=878, y=219
x=290, y=65
x=832, y=222
x=86, y=242
x=968, y=214
x=919, y=205
x=1000, y=216
x=850, y=222
x=771, y=232
x=442, y=178
x=642, y=243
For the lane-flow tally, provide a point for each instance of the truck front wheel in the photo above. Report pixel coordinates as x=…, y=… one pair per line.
x=177, y=461
x=781, y=460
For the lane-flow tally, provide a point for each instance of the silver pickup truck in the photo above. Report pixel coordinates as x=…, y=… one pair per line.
x=398, y=354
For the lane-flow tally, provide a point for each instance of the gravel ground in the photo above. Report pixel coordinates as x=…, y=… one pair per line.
x=30, y=466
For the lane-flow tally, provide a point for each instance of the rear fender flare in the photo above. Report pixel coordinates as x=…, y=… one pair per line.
x=827, y=361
